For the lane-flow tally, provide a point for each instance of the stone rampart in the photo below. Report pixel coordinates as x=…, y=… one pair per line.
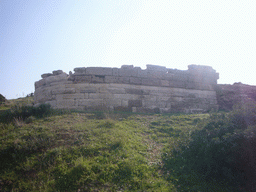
x=155, y=89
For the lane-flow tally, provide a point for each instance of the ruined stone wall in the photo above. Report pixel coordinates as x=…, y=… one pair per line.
x=155, y=89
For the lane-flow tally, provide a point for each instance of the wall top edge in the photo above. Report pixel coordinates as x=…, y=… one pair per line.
x=192, y=69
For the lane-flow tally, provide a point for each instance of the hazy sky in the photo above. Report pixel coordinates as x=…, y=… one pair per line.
x=39, y=36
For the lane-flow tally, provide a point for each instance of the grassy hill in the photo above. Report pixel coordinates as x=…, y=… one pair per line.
x=75, y=151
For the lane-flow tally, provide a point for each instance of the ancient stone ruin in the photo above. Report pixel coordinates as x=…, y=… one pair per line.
x=129, y=88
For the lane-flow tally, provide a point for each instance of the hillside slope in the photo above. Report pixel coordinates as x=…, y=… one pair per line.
x=96, y=152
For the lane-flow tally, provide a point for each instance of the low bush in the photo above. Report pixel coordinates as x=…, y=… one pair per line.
x=223, y=149
x=24, y=112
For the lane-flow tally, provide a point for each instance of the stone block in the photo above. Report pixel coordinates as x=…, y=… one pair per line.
x=88, y=90
x=111, y=79
x=99, y=71
x=91, y=102
x=73, y=96
x=40, y=83
x=50, y=79
x=150, y=98
x=61, y=83
x=63, y=91
x=190, y=85
x=61, y=77
x=43, y=95
x=163, y=98
x=156, y=68
x=125, y=80
x=161, y=104
x=178, y=84
x=100, y=96
x=168, y=76
x=135, y=80
x=80, y=70
x=167, y=91
x=134, y=91
x=135, y=103
x=57, y=72
x=165, y=83
x=46, y=75
x=52, y=103
x=150, y=82
x=65, y=104
x=126, y=96
x=176, y=99
x=116, y=90
x=115, y=71
x=156, y=74
x=82, y=79
x=125, y=72
x=124, y=103
x=113, y=102
x=98, y=79
x=143, y=73
x=165, y=110
x=127, y=67
x=180, y=77
x=69, y=85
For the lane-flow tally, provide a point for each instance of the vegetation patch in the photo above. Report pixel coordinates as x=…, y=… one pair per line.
x=74, y=151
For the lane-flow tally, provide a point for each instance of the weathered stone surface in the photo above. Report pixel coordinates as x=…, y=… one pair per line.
x=63, y=91
x=57, y=72
x=156, y=68
x=126, y=72
x=80, y=70
x=74, y=96
x=46, y=75
x=178, y=84
x=165, y=83
x=52, y=103
x=111, y=79
x=134, y=91
x=151, y=82
x=88, y=90
x=60, y=83
x=142, y=73
x=129, y=88
x=134, y=103
x=62, y=104
x=98, y=71
x=125, y=80
x=135, y=80
x=82, y=79
x=117, y=90
x=103, y=96
x=61, y=77
x=98, y=78
x=115, y=71
x=40, y=83
x=127, y=67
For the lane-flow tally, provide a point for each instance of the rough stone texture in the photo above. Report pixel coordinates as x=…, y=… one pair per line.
x=46, y=75
x=155, y=89
x=57, y=72
x=98, y=71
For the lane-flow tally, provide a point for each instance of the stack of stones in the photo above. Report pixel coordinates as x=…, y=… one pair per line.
x=129, y=88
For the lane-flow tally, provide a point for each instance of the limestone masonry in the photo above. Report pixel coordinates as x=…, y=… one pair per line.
x=155, y=89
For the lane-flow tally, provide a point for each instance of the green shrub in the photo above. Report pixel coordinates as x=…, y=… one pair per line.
x=223, y=150
x=24, y=112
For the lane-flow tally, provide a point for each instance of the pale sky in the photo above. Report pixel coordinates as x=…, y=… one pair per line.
x=39, y=36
